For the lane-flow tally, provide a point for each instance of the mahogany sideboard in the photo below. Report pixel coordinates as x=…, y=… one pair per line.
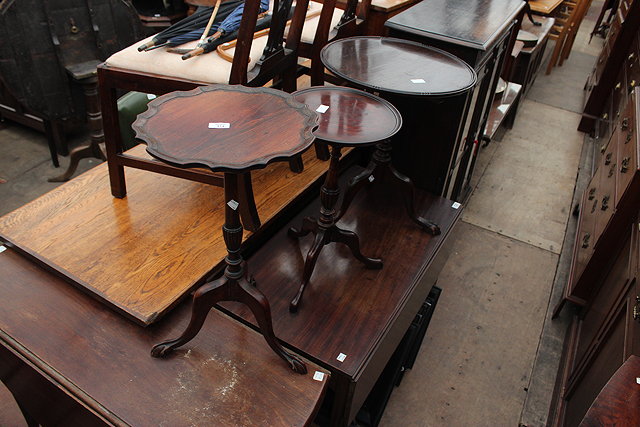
x=604, y=272
x=480, y=32
x=616, y=72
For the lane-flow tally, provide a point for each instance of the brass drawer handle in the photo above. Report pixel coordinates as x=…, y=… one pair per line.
x=625, y=165
x=595, y=205
x=632, y=84
x=625, y=123
x=602, y=149
x=592, y=193
x=628, y=138
x=636, y=310
x=605, y=203
x=607, y=158
x=585, y=240
x=631, y=56
x=605, y=116
x=618, y=86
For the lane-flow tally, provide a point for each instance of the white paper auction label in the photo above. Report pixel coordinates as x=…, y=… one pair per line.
x=2, y=248
x=418, y=81
x=341, y=357
x=456, y=205
x=371, y=178
x=322, y=109
x=318, y=376
x=151, y=96
x=219, y=125
x=233, y=204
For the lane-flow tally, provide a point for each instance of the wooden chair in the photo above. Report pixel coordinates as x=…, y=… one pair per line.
x=581, y=11
x=332, y=24
x=567, y=21
x=255, y=62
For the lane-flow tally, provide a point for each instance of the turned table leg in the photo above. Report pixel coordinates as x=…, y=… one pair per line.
x=232, y=286
x=380, y=162
x=325, y=230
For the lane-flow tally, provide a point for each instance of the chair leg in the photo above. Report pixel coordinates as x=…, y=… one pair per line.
x=296, y=165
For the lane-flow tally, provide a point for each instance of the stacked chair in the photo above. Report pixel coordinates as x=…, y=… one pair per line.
x=568, y=18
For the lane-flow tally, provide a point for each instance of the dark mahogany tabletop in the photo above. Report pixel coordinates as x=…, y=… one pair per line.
x=398, y=66
x=472, y=23
x=349, y=116
x=226, y=128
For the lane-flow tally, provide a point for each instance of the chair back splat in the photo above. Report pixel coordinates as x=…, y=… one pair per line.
x=255, y=62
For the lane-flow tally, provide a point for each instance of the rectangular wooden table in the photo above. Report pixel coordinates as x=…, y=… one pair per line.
x=362, y=314
x=70, y=360
x=89, y=362
x=142, y=253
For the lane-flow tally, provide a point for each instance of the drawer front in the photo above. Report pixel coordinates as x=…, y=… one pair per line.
x=600, y=64
x=619, y=95
x=632, y=66
x=606, y=191
x=627, y=147
x=585, y=237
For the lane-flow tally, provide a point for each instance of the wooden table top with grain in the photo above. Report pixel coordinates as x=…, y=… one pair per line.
x=143, y=253
x=69, y=360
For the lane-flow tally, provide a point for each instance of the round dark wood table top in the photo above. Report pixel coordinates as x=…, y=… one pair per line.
x=226, y=128
x=398, y=66
x=350, y=117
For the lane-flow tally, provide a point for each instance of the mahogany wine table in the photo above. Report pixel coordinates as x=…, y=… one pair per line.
x=70, y=360
x=350, y=118
x=427, y=85
x=252, y=127
x=350, y=310
x=141, y=254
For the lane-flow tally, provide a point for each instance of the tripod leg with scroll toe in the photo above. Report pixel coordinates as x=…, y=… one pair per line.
x=309, y=265
x=354, y=185
x=352, y=241
x=408, y=191
x=259, y=306
x=205, y=297
x=309, y=225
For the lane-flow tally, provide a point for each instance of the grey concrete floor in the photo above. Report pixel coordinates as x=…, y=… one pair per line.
x=491, y=352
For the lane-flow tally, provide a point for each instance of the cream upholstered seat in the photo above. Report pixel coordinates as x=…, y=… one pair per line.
x=208, y=68
x=159, y=72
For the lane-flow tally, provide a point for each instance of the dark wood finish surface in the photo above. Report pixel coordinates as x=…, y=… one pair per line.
x=143, y=253
x=604, y=275
x=353, y=117
x=476, y=24
x=619, y=401
x=482, y=33
x=361, y=313
x=325, y=230
x=69, y=360
x=264, y=125
x=612, y=199
x=373, y=63
x=620, y=51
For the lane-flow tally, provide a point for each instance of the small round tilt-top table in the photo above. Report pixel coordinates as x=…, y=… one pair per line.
x=232, y=129
x=348, y=118
x=416, y=79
